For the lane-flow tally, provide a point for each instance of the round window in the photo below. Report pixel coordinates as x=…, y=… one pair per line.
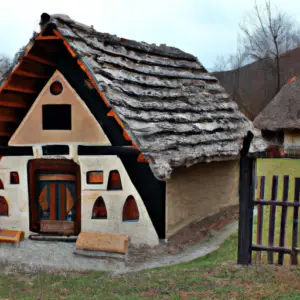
x=56, y=88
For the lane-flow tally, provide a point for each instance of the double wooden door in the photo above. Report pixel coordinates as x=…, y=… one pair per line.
x=56, y=197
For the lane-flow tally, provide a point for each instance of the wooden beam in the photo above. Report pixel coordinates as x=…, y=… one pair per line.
x=20, y=90
x=11, y=99
x=8, y=115
x=29, y=74
x=7, y=129
x=40, y=60
x=39, y=38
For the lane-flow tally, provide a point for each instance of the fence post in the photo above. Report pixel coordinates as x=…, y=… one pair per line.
x=246, y=193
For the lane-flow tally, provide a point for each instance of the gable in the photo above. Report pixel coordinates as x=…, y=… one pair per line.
x=62, y=118
x=46, y=53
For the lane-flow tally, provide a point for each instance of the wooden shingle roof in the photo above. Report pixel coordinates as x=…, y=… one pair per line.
x=170, y=106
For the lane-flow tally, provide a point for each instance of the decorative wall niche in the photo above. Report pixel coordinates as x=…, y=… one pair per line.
x=1, y=185
x=14, y=178
x=130, y=210
x=99, y=209
x=3, y=207
x=56, y=117
x=94, y=177
x=114, y=181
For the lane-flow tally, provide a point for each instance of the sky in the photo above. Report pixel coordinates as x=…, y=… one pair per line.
x=206, y=29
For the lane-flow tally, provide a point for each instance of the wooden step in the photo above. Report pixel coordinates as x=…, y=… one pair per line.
x=94, y=241
x=11, y=236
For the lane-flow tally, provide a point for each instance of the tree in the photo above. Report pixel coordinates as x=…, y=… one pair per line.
x=5, y=63
x=266, y=34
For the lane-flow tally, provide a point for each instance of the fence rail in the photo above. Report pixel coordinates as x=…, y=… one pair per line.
x=275, y=212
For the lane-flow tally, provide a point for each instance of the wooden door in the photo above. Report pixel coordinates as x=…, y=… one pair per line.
x=54, y=193
x=57, y=197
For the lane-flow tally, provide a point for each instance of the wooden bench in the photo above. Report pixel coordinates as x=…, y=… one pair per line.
x=94, y=241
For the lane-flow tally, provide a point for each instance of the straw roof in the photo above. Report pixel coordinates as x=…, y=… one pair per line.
x=283, y=112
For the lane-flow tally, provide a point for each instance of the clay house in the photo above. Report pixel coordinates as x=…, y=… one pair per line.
x=279, y=121
x=104, y=134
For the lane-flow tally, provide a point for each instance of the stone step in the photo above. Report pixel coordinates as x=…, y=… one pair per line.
x=53, y=238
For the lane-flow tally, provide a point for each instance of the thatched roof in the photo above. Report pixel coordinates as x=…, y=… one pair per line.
x=171, y=108
x=283, y=112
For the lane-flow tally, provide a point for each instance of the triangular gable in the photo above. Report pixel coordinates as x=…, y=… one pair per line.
x=84, y=128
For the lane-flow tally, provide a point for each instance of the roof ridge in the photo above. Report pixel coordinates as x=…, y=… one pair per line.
x=162, y=49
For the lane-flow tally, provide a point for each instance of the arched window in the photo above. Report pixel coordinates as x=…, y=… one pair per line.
x=3, y=207
x=114, y=181
x=99, y=209
x=1, y=185
x=130, y=210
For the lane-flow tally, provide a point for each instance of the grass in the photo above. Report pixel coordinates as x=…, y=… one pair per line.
x=279, y=167
x=214, y=276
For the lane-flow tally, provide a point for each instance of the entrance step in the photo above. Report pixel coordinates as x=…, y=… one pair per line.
x=53, y=238
x=100, y=254
x=93, y=242
x=11, y=236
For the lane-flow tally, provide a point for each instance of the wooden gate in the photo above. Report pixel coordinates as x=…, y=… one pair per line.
x=268, y=231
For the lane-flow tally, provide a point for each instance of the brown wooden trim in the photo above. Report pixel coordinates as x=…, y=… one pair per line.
x=8, y=115
x=6, y=129
x=51, y=165
x=40, y=60
x=62, y=191
x=57, y=177
x=20, y=90
x=53, y=37
x=52, y=201
x=29, y=74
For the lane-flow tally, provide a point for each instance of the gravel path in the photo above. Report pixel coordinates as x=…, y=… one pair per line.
x=37, y=256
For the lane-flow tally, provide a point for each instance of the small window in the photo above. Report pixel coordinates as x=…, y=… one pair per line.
x=130, y=210
x=3, y=207
x=114, y=181
x=1, y=185
x=56, y=88
x=14, y=178
x=56, y=117
x=94, y=177
x=99, y=209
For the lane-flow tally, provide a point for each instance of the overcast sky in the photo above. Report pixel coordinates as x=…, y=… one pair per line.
x=204, y=28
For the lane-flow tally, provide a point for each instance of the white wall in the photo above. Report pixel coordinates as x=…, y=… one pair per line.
x=140, y=232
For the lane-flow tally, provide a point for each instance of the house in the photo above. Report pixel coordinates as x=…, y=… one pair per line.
x=104, y=134
x=279, y=122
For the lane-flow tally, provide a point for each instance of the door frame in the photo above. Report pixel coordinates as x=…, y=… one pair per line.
x=51, y=166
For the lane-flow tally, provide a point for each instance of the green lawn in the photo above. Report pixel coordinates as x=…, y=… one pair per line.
x=214, y=276
x=280, y=167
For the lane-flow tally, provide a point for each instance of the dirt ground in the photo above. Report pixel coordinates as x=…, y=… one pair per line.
x=185, y=238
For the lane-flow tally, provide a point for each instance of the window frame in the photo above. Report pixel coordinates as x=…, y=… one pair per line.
x=94, y=183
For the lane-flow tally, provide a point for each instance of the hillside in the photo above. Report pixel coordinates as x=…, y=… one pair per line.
x=257, y=82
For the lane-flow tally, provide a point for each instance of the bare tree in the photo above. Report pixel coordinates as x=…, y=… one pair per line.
x=267, y=33
x=221, y=64
x=5, y=63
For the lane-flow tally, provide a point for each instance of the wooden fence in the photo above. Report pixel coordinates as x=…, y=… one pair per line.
x=276, y=209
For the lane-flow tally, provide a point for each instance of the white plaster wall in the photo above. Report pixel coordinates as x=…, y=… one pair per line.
x=140, y=232
x=16, y=195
